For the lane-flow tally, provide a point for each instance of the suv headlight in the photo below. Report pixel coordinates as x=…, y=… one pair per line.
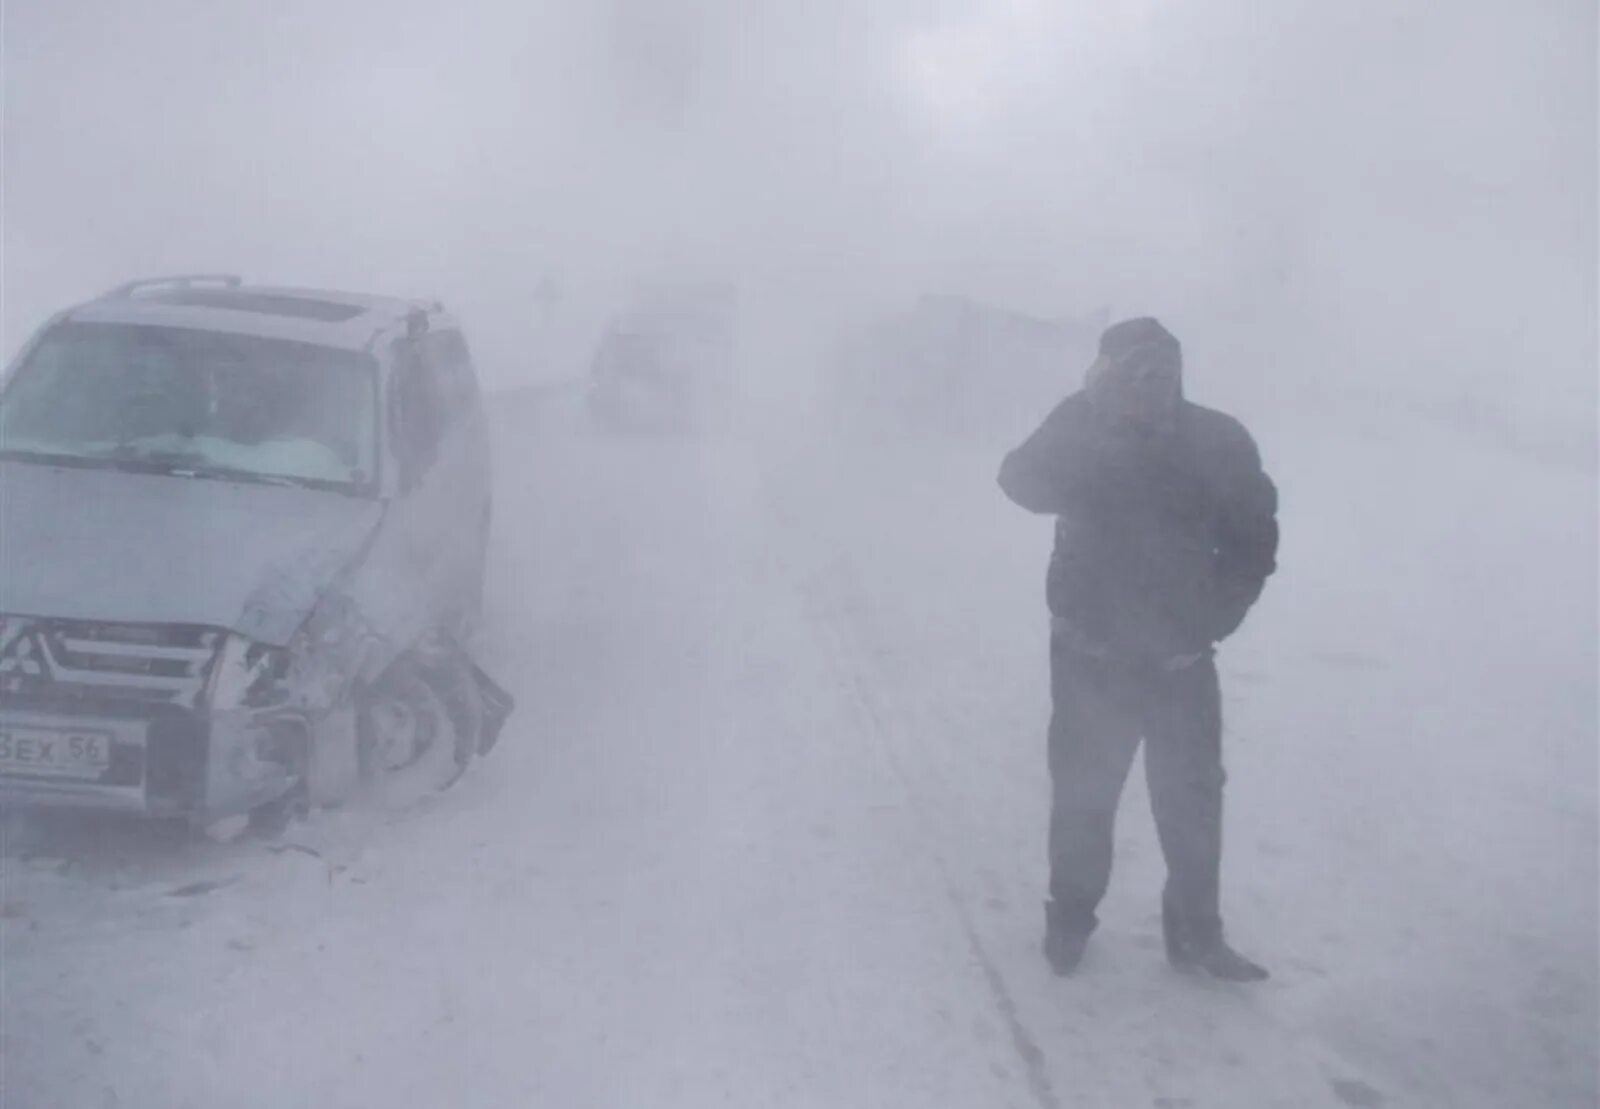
x=245, y=673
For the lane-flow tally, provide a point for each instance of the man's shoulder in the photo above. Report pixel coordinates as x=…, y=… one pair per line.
x=1073, y=405
x=1214, y=430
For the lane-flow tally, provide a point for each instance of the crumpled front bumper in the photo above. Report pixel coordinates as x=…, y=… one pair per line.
x=165, y=760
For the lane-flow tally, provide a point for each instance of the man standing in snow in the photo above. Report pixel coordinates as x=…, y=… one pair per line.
x=1166, y=531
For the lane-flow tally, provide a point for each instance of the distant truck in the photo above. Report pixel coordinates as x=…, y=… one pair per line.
x=951, y=365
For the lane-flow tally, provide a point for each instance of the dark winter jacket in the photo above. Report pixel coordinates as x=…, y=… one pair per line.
x=1163, y=541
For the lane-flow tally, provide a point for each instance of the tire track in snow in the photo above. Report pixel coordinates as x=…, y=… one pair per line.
x=1022, y=1039
x=833, y=598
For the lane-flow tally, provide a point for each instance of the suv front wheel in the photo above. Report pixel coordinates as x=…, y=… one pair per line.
x=411, y=736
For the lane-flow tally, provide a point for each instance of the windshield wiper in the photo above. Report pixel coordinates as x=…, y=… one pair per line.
x=184, y=464
x=126, y=452
x=285, y=481
x=193, y=464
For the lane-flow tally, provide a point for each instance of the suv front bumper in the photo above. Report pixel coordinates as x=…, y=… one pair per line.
x=163, y=760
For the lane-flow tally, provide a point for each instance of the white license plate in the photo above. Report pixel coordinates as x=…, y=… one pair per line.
x=55, y=752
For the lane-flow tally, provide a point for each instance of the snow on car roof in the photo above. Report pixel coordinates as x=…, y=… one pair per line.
x=326, y=318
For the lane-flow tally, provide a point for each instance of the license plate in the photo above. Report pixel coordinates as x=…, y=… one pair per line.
x=54, y=752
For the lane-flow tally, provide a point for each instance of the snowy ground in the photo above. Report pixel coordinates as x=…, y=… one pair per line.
x=767, y=829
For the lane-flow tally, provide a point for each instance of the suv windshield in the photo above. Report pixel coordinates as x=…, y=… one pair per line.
x=198, y=403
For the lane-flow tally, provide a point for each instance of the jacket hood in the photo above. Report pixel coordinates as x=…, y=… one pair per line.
x=1137, y=380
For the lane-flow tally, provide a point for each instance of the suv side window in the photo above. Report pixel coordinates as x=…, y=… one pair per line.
x=418, y=414
x=446, y=353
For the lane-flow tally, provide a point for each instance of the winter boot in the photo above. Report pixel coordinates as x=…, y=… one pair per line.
x=1216, y=958
x=1063, y=945
x=1203, y=950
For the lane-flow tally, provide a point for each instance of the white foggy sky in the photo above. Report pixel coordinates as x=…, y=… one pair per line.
x=1401, y=194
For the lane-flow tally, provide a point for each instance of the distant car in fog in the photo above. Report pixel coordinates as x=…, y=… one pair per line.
x=665, y=364
x=637, y=384
x=242, y=532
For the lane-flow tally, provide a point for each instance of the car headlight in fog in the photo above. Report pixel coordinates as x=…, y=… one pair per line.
x=246, y=672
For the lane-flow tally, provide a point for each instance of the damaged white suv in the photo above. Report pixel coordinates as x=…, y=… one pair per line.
x=242, y=536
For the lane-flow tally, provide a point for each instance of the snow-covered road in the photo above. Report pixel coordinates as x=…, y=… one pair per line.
x=767, y=828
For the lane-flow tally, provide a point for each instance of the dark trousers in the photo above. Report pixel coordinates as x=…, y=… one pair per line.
x=1101, y=712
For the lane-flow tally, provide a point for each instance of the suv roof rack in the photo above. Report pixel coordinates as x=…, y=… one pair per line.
x=176, y=281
